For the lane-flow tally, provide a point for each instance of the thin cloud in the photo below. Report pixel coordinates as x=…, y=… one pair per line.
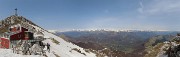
x=162, y=13
x=162, y=6
x=140, y=9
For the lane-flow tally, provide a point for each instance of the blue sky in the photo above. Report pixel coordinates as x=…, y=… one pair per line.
x=97, y=14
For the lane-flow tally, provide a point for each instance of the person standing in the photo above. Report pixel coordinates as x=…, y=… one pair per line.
x=48, y=47
x=13, y=48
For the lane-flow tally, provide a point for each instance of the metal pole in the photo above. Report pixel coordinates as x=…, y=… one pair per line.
x=16, y=12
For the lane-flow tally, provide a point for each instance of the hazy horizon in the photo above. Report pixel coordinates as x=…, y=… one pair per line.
x=97, y=14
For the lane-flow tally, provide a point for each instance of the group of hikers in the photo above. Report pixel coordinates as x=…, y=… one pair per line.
x=28, y=48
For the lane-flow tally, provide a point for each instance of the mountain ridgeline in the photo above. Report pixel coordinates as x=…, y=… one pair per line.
x=16, y=29
x=120, y=44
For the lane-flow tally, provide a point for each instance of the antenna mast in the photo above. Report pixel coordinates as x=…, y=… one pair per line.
x=16, y=12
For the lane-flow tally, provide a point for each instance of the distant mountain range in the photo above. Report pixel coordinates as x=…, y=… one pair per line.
x=121, y=43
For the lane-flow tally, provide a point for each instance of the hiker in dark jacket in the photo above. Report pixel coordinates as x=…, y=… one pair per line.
x=48, y=47
x=168, y=52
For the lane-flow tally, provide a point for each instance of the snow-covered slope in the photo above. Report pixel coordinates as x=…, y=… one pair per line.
x=53, y=31
x=9, y=53
x=64, y=48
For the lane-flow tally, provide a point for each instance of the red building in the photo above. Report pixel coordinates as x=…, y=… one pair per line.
x=4, y=42
x=16, y=32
